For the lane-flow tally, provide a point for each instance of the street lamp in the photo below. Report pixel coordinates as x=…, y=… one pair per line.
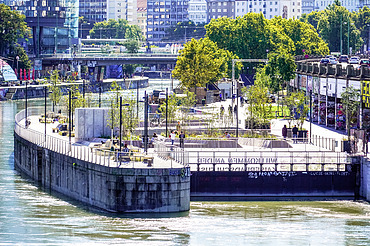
x=137, y=99
x=70, y=120
x=56, y=32
x=146, y=123
x=45, y=91
x=26, y=104
x=120, y=124
x=310, y=114
x=100, y=95
x=166, y=112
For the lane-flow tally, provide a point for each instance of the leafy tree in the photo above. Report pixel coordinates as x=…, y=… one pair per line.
x=182, y=30
x=351, y=104
x=362, y=22
x=116, y=29
x=280, y=68
x=334, y=22
x=55, y=93
x=24, y=61
x=171, y=108
x=303, y=35
x=312, y=18
x=259, y=106
x=200, y=62
x=12, y=27
x=113, y=114
x=132, y=46
x=186, y=103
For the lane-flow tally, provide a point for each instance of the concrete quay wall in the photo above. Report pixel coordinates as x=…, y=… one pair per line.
x=111, y=189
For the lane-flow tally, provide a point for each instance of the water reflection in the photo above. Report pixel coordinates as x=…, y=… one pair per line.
x=32, y=216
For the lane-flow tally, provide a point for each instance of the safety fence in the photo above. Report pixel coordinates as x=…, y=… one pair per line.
x=93, y=154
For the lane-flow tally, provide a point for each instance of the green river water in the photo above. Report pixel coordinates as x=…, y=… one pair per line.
x=31, y=216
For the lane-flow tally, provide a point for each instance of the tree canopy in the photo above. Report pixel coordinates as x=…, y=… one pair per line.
x=116, y=29
x=200, y=62
x=184, y=31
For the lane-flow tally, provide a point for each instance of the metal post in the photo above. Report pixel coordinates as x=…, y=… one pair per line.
x=69, y=116
x=341, y=41
x=83, y=89
x=146, y=124
x=237, y=112
x=100, y=96
x=232, y=81
x=45, y=110
x=137, y=99
x=56, y=33
x=310, y=114
x=26, y=123
x=348, y=37
x=166, y=112
x=120, y=123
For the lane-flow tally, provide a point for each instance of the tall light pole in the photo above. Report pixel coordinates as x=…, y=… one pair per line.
x=120, y=124
x=26, y=104
x=348, y=36
x=69, y=116
x=341, y=41
x=56, y=33
x=137, y=99
x=146, y=123
x=166, y=112
x=45, y=110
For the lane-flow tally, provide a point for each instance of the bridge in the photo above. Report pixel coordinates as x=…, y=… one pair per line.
x=102, y=59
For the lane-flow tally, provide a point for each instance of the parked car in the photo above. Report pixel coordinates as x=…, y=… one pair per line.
x=324, y=61
x=354, y=60
x=333, y=60
x=343, y=58
x=365, y=62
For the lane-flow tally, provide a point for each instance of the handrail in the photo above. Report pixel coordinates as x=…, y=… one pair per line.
x=86, y=153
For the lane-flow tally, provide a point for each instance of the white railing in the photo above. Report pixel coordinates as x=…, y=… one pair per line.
x=90, y=154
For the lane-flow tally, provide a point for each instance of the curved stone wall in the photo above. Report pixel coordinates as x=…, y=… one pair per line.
x=108, y=188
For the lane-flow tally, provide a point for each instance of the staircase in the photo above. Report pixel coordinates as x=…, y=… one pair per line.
x=10, y=93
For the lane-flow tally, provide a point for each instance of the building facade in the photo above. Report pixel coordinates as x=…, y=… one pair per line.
x=53, y=23
x=220, y=8
x=351, y=5
x=142, y=15
x=198, y=11
x=126, y=9
x=161, y=14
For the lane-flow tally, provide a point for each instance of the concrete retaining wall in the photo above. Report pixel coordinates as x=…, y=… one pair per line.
x=92, y=123
x=365, y=180
x=111, y=189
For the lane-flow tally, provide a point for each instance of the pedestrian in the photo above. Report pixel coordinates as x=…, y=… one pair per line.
x=204, y=101
x=222, y=109
x=227, y=135
x=295, y=134
x=366, y=140
x=284, y=132
x=235, y=110
x=172, y=137
x=182, y=138
x=178, y=127
x=230, y=109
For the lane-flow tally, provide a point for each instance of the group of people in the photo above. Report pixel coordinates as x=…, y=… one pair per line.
x=284, y=133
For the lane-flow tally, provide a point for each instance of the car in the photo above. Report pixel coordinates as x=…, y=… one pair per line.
x=328, y=56
x=343, y=58
x=333, y=60
x=354, y=60
x=365, y=62
x=324, y=61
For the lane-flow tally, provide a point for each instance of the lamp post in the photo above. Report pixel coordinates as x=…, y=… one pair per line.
x=120, y=123
x=310, y=114
x=237, y=111
x=26, y=104
x=56, y=33
x=166, y=112
x=137, y=99
x=100, y=96
x=146, y=124
x=69, y=117
x=45, y=110
x=341, y=41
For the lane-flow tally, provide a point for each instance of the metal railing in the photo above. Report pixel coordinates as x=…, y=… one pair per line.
x=95, y=155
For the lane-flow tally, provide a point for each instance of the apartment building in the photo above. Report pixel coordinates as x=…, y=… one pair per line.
x=198, y=11
x=220, y=8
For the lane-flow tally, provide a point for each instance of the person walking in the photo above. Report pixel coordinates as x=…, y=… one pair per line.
x=284, y=132
x=182, y=138
x=178, y=127
x=295, y=134
x=172, y=137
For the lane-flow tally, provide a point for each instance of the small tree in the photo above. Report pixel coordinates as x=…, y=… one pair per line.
x=259, y=107
x=298, y=110
x=113, y=113
x=54, y=90
x=171, y=108
x=186, y=103
x=132, y=46
x=351, y=103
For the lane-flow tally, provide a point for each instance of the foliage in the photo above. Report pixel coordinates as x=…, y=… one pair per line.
x=132, y=46
x=184, y=30
x=12, y=27
x=106, y=49
x=333, y=27
x=24, y=61
x=129, y=69
x=186, y=103
x=298, y=109
x=362, y=22
x=351, y=104
x=171, y=108
x=55, y=93
x=116, y=29
x=259, y=105
x=201, y=62
x=304, y=36
x=312, y=18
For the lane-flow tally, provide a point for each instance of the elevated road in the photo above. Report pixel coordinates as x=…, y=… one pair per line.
x=111, y=59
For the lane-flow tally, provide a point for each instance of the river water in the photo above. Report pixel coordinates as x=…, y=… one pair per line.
x=31, y=216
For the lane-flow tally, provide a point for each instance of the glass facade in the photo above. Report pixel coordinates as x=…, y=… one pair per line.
x=53, y=23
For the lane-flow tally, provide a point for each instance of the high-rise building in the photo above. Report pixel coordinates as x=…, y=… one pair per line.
x=54, y=25
x=93, y=10
x=308, y=6
x=351, y=5
x=161, y=14
x=127, y=10
x=220, y=8
x=198, y=11
x=269, y=8
x=141, y=15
